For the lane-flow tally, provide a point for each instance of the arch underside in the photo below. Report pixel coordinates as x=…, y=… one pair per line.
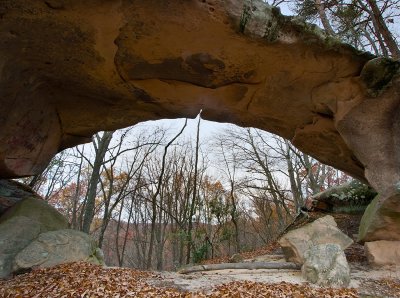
x=71, y=68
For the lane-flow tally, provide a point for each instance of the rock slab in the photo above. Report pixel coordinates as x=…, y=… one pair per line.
x=55, y=247
x=32, y=233
x=381, y=253
x=12, y=192
x=350, y=197
x=15, y=234
x=39, y=210
x=326, y=265
x=322, y=231
x=381, y=220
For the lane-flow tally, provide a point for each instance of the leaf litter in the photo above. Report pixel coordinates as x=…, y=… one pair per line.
x=82, y=279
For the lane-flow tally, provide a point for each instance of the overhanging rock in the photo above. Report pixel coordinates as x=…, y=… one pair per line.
x=71, y=68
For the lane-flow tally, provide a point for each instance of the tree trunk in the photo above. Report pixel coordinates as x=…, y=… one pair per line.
x=194, y=195
x=154, y=198
x=234, y=218
x=74, y=222
x=384, y=30
x=119, y=255
x=101, y=150
x=298, y=200
x=249, y=266
x=370, y=40
x=323, y=17
x=313, y=183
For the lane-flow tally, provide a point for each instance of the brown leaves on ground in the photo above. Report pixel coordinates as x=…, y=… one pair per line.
x=283, y=289
x=262, y=251
x=88, y=280
x=385, y=287
x=76, y=280
x=270, y=248
x=355, y=253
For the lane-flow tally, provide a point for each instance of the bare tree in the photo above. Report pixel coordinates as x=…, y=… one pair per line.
x=194, y=194
x=100, y=144
x=154, y=197
x=364, y=24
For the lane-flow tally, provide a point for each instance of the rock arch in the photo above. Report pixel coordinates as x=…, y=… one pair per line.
x=71, y=68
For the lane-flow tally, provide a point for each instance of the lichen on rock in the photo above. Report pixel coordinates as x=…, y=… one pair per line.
x=326, y=265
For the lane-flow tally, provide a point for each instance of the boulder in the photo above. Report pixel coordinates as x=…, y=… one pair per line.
x=383, y=252
x=55, y=247
x=15, y=234
x=12, y=192
x=351, y=197
x=326, y=265
x=39, y=210
x=33, y=233
x=381, y=220
x=97, y=257
x=322, y=231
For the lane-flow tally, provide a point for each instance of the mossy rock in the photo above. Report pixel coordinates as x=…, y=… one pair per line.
x=259, y=19
x=55, y=247
x=352, y=197
x=378, y=73
x=48, y=217
x=15, y=234
x=97, y=257
x=381, y=219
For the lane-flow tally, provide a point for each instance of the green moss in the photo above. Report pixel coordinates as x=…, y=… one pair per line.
x=382, y=218
x=244, y=18
x=96, y=257
x=378, y=73
x=349, y=209
x=351, y=197
x=367, y=218
x=273, y=24
x=356, y=194
x=277, y=25
x=48, y=217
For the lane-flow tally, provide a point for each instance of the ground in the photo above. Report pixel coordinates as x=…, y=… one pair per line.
x=365, y=281
x=88, y=280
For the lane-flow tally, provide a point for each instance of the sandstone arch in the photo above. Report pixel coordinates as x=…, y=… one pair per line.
x=70, y=68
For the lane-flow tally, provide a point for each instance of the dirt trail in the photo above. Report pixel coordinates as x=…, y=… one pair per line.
x=368, y=281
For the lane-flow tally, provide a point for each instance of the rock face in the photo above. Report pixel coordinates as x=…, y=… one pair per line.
x=12, y=192
x=32, y=233
x=55, y=247
x=22, y=223
x=381, y=219
x=326, y=265
x=15, y=234
x=89, y=68
x=381, y=253
x=38, y=210
x=71, y=68
x=322, y=231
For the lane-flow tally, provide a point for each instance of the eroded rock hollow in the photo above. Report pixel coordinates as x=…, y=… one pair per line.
x=71, y=68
